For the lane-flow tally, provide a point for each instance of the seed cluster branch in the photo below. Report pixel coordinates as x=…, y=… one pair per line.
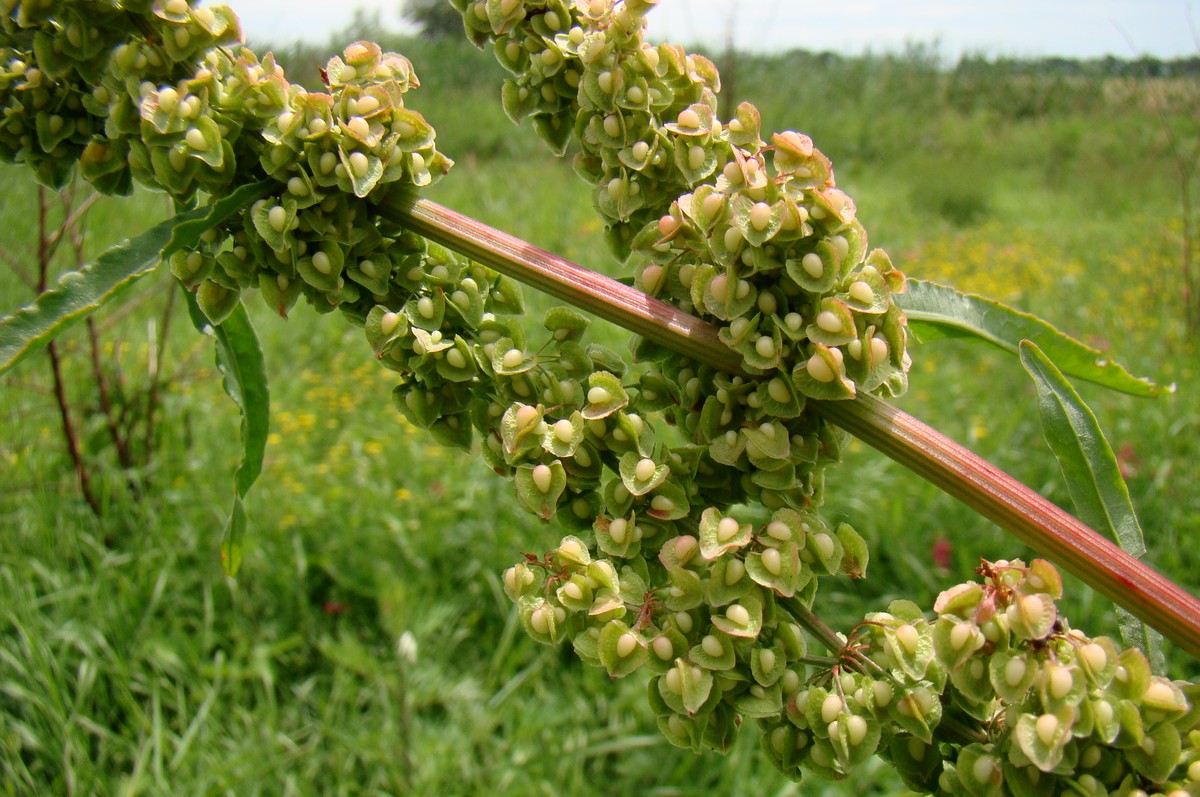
x=773, y=322
x=1035, y=520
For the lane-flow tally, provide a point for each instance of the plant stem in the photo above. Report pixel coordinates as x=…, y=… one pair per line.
x=1033, y=519
x=933, y=456
x=120, y=443
x=956, y=729
x=824, y=662
x=45, y=253
x=106, y=407
x=813, y=625
x=156, y=368
x=72, y=441
x=597, y=294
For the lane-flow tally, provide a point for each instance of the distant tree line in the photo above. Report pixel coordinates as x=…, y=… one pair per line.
x=1108, y=66
x=438, y=21
x=435, y=19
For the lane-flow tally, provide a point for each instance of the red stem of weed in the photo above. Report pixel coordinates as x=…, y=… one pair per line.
x=983, y=487
x=45, y=254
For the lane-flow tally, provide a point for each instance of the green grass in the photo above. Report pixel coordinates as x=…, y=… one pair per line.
x=130, y=665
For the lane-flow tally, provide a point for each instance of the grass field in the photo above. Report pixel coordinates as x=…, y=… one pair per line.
x=130, y=665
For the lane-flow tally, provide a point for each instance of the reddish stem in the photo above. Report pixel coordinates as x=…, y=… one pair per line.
x=120, y=443
x=600, y=295
x=152, y=396
x=45, y=253
x=1033, y=519
x=983, y=487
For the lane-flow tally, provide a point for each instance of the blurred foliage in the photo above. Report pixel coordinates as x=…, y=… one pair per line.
x=434, y=19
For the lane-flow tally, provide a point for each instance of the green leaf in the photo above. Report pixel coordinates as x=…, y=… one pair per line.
x=687, y=690
x=216, y=300
x=619, y=536
x=1093, y=477
x=565, y=323
x=240, y=361
x=918, y=711
x=234, y=534
x=78, y=293
x=520, y=430
x=666, y=646
x=540, y=619
x=938, y=311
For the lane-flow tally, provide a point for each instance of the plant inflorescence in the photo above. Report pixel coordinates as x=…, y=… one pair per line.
x=691, y=497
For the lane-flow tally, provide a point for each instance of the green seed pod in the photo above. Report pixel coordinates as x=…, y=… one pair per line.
x=621, y=650
x=542, y=620
x=540, y=486
x=217, y=301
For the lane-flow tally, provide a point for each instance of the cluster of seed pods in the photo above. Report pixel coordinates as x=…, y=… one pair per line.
x=757, y=239
x=647, y=469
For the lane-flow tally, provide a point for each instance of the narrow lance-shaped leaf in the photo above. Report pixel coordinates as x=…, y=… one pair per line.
x=1093, y=477
x=938, y=311
x=240, y=361
x=233, y=535
x=78, y=293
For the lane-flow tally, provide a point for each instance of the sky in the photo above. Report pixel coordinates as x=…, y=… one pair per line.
x=1017, y=28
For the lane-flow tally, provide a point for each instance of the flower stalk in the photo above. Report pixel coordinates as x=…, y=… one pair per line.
x=814, y=625
x=595, y=293
x=1033, y=519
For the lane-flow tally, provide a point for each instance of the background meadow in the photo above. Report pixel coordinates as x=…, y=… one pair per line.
x=130, y=665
